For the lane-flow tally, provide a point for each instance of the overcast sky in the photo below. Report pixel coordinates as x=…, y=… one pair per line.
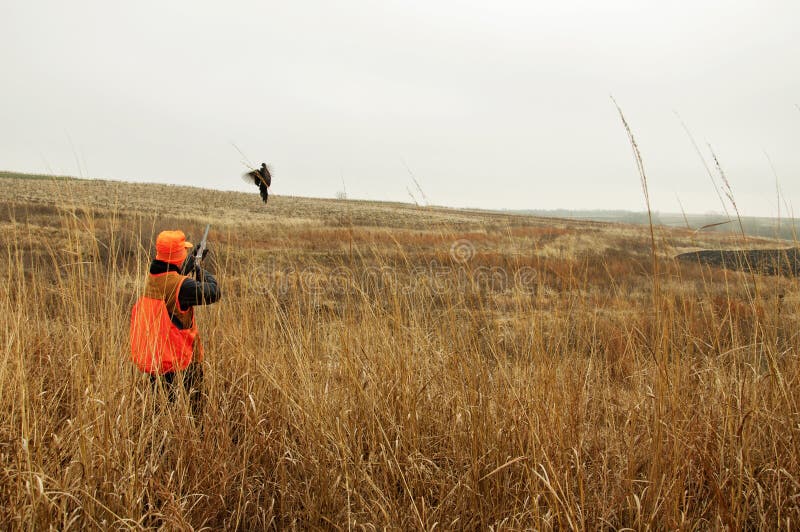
x=500, y=104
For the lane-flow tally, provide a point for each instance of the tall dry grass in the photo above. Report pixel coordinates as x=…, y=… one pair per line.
x=360, y=382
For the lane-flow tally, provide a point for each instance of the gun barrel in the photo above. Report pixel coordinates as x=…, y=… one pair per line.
x=202, y=246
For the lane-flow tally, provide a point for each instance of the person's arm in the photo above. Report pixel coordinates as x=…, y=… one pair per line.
x=201, y=291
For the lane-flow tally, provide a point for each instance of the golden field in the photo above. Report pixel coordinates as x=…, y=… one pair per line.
x=385, y=366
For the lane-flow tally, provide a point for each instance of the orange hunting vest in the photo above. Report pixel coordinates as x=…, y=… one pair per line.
x=158, y=345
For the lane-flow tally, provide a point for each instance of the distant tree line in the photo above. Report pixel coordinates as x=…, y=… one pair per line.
x=785, y=228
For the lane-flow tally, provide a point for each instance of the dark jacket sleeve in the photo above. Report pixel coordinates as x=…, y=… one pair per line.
x=201, y=291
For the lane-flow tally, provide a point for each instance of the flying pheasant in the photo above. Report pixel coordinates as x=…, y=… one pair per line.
x=262, y=178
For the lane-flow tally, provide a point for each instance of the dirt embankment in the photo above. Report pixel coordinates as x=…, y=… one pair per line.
x=763, y=261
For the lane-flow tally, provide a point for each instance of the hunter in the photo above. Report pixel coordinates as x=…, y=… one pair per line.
x=164, y=336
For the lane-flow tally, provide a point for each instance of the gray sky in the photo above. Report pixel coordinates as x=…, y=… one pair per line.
x=501, y=104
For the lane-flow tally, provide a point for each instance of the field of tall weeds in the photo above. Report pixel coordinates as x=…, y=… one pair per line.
x=384, y=366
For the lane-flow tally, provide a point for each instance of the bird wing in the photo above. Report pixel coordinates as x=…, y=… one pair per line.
x=252, y=177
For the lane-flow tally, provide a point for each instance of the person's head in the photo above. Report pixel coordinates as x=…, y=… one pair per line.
x=171, y=247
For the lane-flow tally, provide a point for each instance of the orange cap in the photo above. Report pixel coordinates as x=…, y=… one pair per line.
x=171, y=247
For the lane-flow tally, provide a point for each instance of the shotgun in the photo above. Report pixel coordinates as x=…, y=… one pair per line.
x=199, y=252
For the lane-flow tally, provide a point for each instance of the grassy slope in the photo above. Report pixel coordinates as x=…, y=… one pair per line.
x=358, y=374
